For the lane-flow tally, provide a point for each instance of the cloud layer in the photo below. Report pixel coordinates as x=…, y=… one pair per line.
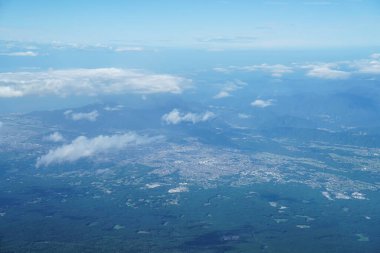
x=175, y=117
x=88, y=82
x=83, y=147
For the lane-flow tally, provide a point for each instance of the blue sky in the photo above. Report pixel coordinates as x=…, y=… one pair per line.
x=213, y=24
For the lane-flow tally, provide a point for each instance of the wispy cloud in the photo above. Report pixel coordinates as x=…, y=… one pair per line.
x=83, y=147
x=275, y=70
x=90, y=116
x=230, y=87
x=88, y=82
x=55, y=137
x=128, y=49
x=22, y=48
x=114, y=108
x=228, y=39
x=318, y=2
x=262, y=103
x=24, y=53
x=244, y=116
x=222, y=70
x=175, y=117
x=222, y=94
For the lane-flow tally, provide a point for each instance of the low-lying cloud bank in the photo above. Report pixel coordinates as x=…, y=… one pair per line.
x=324, y=70
x=88, y=82
x=175, y=117
x=83, y=147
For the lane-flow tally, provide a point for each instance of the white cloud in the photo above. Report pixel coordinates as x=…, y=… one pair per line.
x=26, y=53
x=222, y=70
x=109, y=47
x=55, y=137
x=129, y=49
x=88, y=82
x=83, y=147
x=115, y=108
x=326, y=71
x=318, y=3
x=222, y=94
x=178, y=189
x=6, y=91
x=244, y=116
x=231, y=86
x=90, y=116
x=275, y=70
x=367, y=66
x=223, y=39
x=175, y=117
x=262, y=103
